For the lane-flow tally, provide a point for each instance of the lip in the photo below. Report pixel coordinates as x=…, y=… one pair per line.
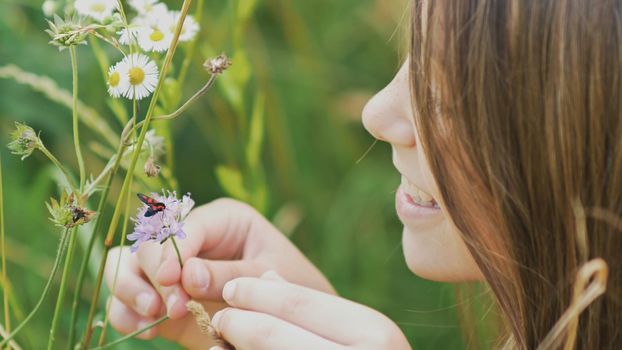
x=409, y=211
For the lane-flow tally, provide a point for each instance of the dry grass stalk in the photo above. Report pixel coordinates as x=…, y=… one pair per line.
x=205, y=324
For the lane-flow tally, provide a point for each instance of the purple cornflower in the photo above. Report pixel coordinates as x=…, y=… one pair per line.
x=164, y=224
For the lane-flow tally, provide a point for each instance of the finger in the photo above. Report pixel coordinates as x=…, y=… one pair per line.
x=125, y=320
x=217, y=230
x=272, y=275
x=131, y=288
x=174, y=297
x=332, y=317
x=204, y=279
x=249, y=330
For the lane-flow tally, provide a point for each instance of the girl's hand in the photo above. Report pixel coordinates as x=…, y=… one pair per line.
x=226, y=239
x=272, y=314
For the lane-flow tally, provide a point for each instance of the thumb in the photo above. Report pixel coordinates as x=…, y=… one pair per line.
x=204, y=279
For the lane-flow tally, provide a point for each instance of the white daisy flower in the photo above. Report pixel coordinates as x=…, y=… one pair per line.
x=97, y=9
x=189, y=28
x=142, y=74
x=127, y=36
x=154, y=38
x=118, y=80
x=148, y=8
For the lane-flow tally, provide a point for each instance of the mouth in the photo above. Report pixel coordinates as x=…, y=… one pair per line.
x=418, y=196
x=414, y=204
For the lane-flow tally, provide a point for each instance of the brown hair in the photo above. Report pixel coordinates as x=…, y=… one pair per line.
x=519, y=108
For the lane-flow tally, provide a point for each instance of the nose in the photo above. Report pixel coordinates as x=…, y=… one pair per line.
x=388, y=115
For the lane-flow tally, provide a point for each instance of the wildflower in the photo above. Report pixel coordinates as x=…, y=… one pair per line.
x=127, y=36
x=66, y=33
x=154, y=37
x=96, y=9
x=154, y=142
x=164, y=224
x=148, y=8
x=188, y=30
x=142, y=74
x=217, y=64
x=24, y=140
x=152, y=169
x=118, y=81
x=68, y=212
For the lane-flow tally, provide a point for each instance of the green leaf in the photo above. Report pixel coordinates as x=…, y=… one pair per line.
x=256, y=135
x=245, y=9
x=231, y=181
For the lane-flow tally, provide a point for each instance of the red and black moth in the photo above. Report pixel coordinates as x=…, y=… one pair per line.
x=153, y=206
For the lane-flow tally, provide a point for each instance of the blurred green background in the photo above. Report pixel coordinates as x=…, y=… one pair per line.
x=315, y=63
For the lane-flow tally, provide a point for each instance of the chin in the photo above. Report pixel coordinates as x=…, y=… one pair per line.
x=433, y=256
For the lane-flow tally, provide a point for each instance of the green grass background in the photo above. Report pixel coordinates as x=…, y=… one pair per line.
x=316, y=62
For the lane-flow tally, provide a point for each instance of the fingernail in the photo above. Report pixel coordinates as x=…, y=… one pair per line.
x=170, y=302
x=216, y=348
x=200, y=277
x=216, y=318
x=144, y=302
x=272, y=275
x=228, y=291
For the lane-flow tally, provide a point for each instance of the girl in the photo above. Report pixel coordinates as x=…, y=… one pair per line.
x=506, y=125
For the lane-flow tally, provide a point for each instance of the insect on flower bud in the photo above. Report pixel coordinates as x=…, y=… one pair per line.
x=151, y=168
x=68, y=212
x=217, y=64
x=24, y=140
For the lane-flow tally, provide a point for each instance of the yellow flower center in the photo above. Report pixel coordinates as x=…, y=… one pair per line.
x=137, y=75
x=156, y=35
x=98, y=7
x=114, y=79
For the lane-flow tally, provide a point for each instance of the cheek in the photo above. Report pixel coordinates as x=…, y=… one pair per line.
x=438, y=253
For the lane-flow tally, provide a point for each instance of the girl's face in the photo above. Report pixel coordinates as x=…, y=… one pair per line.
x=433, y=246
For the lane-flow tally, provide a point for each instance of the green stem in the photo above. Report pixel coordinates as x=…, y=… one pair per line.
x=63, y=286
x=114, y=222
x=102, y=336
x=131, y=335
x=5, y=296
x=181, y=109
x=46, y=289
x=60, y=167
x=181, y=262
x=76, y=133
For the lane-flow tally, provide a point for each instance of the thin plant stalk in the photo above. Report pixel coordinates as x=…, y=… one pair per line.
x=114, y=222
x=59, y=257
x=63, y=286
x=84, y=265
x=5, y=294
x=181, y=262
x=102, y=336
x=76, y=129
x=131, y=335
x=183, y=107
x=60, y=167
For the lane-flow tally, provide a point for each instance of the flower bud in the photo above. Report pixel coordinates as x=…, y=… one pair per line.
x=66, y=33
x=151, y=168
x=217, y=64
x=68, y=212
x=24, y=140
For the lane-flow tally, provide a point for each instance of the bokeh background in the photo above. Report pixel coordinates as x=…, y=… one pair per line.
x=313, y=64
